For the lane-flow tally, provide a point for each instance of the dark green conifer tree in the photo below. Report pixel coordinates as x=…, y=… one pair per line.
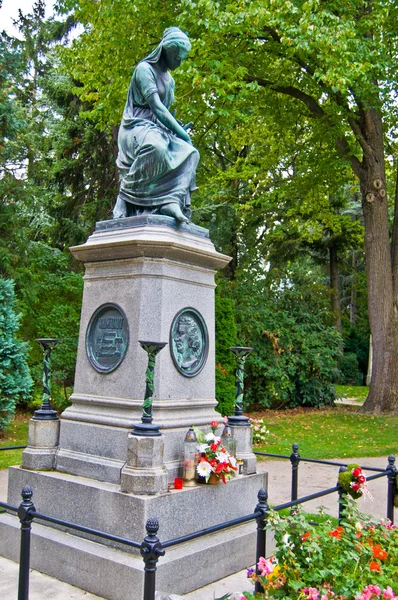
x=15, y=379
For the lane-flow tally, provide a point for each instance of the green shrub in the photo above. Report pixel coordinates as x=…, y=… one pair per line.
x=226, y=336
x=15, y=379
x=349, y=368
x=296, y=347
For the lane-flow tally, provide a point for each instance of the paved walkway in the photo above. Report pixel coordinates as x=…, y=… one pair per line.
x=312, y=478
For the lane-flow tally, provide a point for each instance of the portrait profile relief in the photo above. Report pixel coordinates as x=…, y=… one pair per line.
x=189, y=342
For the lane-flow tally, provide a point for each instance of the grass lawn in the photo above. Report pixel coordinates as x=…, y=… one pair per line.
x=336, y=432
x=16, y=434
x=356, y=392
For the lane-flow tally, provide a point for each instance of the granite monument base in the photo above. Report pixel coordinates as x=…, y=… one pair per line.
x=145, y=270
x=105, y=568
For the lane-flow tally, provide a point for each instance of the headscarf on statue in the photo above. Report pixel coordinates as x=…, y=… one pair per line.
x=173, y=36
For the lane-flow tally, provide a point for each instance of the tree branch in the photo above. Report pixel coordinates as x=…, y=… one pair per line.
x=315, y=109
x=344, y=148
x=358, y=134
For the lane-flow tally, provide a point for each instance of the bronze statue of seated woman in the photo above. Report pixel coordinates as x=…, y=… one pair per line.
x=156, y=161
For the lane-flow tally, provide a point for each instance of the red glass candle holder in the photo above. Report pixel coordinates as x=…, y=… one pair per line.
x=178, y=483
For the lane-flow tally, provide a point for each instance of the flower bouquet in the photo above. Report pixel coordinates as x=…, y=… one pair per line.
x=353, y=482
x=213, y=459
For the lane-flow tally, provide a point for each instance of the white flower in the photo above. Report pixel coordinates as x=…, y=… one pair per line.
x=204, y=468
x=209, y=437
x=222, y=457
x=202, y=448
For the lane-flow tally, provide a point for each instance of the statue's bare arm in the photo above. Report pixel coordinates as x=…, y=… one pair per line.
x=166, y=118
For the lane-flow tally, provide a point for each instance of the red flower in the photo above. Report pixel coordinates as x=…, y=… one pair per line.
x=214, y=425
x=305, y=536
x=356, y=472
x=355, y=487
x=337, y=533
x=361, y=478
x=374, y=566
x=213, y=447
x=378, y=552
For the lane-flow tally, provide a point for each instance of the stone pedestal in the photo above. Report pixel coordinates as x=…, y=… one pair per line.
x=151, y=269
x=144, y=472
x=244, y=447
x=42, y=444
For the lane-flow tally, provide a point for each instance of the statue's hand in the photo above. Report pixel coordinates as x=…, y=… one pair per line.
x=186, y=138
x=188, y=126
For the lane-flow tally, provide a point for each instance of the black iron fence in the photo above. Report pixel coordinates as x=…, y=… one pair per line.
x=152, y=548
x=390, y=472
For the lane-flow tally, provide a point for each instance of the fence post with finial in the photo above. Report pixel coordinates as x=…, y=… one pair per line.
x=295, y=461
x=392, y=486
x=24, y=513
x=151, y=549
x=262, y=506
x=341, y=494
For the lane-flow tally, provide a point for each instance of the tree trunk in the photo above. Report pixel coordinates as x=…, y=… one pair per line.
x=334, y=286
x=354, y=291
x=383, y=316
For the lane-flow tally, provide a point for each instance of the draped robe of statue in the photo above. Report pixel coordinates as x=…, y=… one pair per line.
x=156, y=166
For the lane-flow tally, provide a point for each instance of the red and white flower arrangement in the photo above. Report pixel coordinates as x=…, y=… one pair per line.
x=358, y=483
x=213, y=458
x=353, y=481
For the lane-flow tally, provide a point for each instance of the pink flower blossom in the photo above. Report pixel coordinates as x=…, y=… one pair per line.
x=265, y=566
x=310, y=593
x=388, y=594
x=369, y=592
x=374, y=589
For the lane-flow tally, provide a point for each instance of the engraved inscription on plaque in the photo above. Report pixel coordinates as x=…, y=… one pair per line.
x=107, y=338
x=189, y=342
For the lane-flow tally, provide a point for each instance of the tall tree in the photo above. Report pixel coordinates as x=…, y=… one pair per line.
x=339, y=62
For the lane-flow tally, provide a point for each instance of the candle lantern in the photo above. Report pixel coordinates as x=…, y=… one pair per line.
x=190, y=458
x=228, y=441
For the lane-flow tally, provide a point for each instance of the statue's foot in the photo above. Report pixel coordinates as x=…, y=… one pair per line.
x=120, y=209
x=173, y=210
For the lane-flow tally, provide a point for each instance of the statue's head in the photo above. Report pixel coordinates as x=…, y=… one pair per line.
x=173, y=48
x=173, y=37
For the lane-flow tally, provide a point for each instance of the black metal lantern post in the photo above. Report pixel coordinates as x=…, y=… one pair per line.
x=46, y=412
x=146, y=427
x=241, y=353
